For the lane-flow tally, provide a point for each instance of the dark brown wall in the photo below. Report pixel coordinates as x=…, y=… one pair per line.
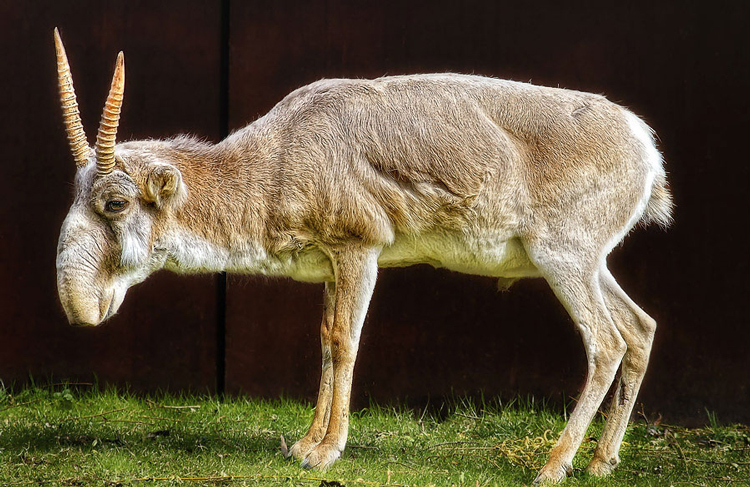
x=682, y=66
x=165, y=336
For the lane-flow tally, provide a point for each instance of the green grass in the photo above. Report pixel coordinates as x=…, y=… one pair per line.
x=67, y=436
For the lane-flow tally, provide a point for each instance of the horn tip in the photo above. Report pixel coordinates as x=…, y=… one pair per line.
x=59, y=48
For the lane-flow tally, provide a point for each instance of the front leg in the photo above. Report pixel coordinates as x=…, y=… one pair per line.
x=323, y=407
x=355, y=270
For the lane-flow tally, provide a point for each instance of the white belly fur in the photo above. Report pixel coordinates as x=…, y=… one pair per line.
x=483, y=255
x=478, y=255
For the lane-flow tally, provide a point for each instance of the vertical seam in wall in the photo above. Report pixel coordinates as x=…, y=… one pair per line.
x=221, y=281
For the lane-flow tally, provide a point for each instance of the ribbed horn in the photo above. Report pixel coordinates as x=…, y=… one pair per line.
x=71, y=116
x=105, y=139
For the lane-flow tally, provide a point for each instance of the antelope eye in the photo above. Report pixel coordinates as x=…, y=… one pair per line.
x=115, y=206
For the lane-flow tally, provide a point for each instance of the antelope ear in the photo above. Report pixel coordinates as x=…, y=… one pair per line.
x=163, y=185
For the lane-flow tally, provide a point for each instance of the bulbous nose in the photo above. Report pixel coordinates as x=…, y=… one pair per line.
x=86, y=304
x=83, y=310
x=81, y=285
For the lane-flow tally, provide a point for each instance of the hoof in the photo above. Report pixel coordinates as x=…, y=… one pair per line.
x=553, y=474
x=300, y=449
x=600, y=468
x=321, y=457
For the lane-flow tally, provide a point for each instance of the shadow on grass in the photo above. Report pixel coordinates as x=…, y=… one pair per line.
x=53, y=437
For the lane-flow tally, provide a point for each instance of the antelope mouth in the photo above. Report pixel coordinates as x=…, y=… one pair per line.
x=110, y=304
x=109, y=310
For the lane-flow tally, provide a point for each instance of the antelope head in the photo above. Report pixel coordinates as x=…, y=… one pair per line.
x=106, y=243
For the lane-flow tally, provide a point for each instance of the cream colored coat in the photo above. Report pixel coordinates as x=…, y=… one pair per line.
x=474, y=174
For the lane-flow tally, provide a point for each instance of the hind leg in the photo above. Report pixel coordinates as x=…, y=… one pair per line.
x=577, y=285
x=637, y=328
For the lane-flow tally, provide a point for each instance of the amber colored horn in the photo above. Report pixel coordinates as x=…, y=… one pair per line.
x=105, y=139
x=71, y=116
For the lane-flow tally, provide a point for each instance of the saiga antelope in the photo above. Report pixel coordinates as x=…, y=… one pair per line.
x=473, y=174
